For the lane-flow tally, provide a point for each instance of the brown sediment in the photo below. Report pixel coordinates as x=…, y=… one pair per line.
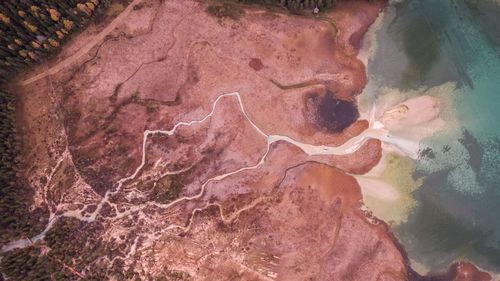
x=108, y=103
x=292, y=216
x=304, y=84
x=458, y=271
x=310, y=225
x=256, y=64
x=466, y=271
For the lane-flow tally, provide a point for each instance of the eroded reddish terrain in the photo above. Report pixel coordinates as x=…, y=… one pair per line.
x=154, y=154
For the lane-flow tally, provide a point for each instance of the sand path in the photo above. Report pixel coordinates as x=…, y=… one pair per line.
x=85, y=49
x=349, y=147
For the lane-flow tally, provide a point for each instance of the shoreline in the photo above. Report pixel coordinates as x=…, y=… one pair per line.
x=400, y=111
x=196, y=206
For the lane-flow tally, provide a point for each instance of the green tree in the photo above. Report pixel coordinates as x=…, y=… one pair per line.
x=29, y=29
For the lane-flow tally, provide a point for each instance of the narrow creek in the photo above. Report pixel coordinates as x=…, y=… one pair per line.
x=376, y=131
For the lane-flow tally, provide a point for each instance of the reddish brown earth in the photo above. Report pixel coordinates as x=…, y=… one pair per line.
x=212, y=200
x=459, y=271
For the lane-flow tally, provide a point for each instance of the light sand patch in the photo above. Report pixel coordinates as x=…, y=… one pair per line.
x=391, y=97
x=369, y=44
x=418, y=267
x=378, y=189
x=387, y=189
x=412, y=116
x=413, y=112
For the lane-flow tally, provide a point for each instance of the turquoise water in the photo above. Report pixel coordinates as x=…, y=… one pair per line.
x=425, y=43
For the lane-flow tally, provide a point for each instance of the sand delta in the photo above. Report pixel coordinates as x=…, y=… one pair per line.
x=215, y=199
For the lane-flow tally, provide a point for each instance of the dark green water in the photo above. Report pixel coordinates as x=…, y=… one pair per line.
x=424, y=43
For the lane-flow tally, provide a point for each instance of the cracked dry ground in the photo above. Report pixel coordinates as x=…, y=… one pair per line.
x=212, y=200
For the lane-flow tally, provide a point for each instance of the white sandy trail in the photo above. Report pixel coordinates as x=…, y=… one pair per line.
x=226, y=220
x=376, y=131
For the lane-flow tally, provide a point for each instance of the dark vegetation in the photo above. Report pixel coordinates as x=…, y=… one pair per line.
x=427, y=153
x=71, y=243
x=422, y=52
x=168, y=188
x=334, y=114
x=26, y=264
x=15, y=194
x=439, y=215
x=472, y=4
x=31, y=29
x=308, y=4
x=294, y=4
x=231, y=9
x=172, y=275
x=226, y=10
x=474, y=148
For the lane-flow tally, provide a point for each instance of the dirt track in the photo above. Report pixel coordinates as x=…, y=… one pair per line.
x=85, y=49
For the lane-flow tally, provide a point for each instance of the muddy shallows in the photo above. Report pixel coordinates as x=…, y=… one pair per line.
x=328, y=113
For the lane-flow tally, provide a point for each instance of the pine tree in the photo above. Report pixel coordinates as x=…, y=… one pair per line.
x=29, y=29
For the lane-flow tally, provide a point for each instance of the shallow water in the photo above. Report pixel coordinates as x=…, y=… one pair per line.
x=426, y=43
